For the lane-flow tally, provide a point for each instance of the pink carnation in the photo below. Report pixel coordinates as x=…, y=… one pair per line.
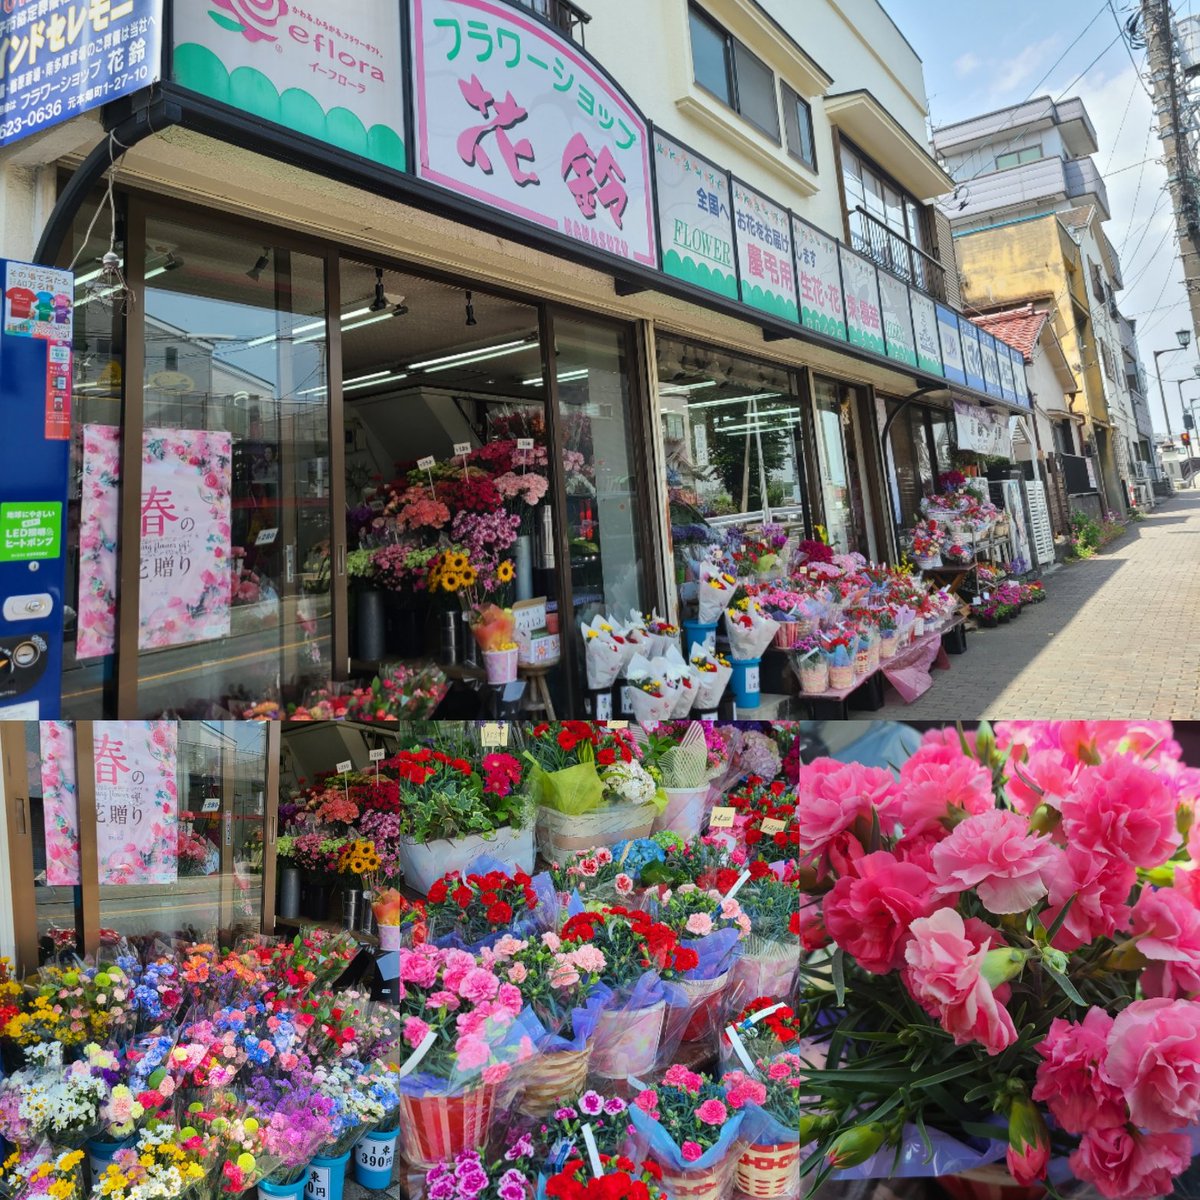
x=1126, y=1165
x=699, y=924
x=929, y=789
x=1167, y=927
x=1100, y=887
x=679, y=1076
x=1044, y=778
x=1071, y=1080
x=869, y=914
x=832, y=796
x=415, y=1031
x=690, y=1151
x=1154, y=1059
x=995, y=854
x=945, y=976
x=712, y=1112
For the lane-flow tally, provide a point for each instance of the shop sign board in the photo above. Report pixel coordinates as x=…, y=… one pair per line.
x=925, y=332
x=864, y=321
x=972, y=357
x=57, y=61
x=819, y=274
x=763, y=234
x=897, y=319
x=950, y=340
x=1019, y=380
x=512, y=114
x=1007, y=387
x=991, y=362
x=981, y=430
x=695, y=224
x=334, y=74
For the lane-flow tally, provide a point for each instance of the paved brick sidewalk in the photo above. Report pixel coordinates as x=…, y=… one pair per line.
x=1118, y=636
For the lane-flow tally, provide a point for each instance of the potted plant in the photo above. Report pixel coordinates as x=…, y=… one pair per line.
x=771, y=954
x=474, y=909
x=769, y=1166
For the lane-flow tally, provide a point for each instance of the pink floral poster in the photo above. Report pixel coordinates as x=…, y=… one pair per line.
x=60, y=804
x=137, y=803
x=185, y=544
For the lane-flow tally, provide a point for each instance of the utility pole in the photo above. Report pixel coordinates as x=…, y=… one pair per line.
x=1167, y=83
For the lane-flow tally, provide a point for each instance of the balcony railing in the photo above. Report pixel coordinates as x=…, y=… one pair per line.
x=562, y=14
x=886, y=248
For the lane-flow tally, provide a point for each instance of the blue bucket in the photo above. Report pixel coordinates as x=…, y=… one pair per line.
x=100, y=1153
x=292, y=1191
x=703, y=632
x=375, y=1159
x=326, y=1177
x=745, y=682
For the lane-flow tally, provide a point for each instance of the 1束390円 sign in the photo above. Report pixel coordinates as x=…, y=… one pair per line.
x=511, y=114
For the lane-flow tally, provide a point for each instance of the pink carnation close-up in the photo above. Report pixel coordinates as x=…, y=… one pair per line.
x=832, y=796
x=1097, y=889
x=1071, y=1080
x=996, y=854
x=1123, y=1164
x=930, y=790
x=1154, y=1058
x=1166, y=924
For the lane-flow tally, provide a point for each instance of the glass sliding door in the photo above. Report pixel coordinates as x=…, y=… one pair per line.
x=840, y=454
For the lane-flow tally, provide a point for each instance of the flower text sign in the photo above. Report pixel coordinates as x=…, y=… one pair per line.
x=763, y=232
x=512, y=114
x=982, y=431
x=332, y=73
x=822, y=304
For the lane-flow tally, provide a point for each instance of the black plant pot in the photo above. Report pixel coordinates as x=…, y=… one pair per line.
x=405, y=628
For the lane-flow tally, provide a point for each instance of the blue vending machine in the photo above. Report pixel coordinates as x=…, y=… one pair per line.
x=35, y=422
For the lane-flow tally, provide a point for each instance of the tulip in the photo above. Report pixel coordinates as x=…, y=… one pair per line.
x=1028, y=1142
x=855, y=1145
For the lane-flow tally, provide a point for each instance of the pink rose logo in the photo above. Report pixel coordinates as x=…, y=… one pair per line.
x=253, y=19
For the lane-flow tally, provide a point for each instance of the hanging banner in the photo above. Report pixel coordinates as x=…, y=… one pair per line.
x=694, y=219
x=897, y=319
x=991, y=362
x=1020, y=383
x=137, y=805
x=763, y=233
x=334, y=74
x=511, y=113
x=925, y=332
x=860, y=280
x=63, y=59
x=96, y=604
x=822, y=304
x=972, y=359
x=950, y=340
x=1007, y=388
x=60, y=803
x=981, y=430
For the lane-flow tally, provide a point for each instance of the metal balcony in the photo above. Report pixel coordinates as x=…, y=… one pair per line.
x=562, y=14
x=897, y=255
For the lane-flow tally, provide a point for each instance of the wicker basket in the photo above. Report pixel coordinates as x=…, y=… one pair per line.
x=772, y=1171
x=705, y=1183
x=559, y=835
x=841, y=678
x=551, y=1078
x=814, y=677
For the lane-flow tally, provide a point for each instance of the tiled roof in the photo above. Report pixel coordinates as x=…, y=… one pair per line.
x=1019, y=327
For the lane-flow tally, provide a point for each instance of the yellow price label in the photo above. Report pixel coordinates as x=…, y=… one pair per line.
x=772, y=826
x=493, y=734
x=722, y=818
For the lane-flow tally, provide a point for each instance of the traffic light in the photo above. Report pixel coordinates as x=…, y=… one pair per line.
x=1186, y=438
x=1189, y=422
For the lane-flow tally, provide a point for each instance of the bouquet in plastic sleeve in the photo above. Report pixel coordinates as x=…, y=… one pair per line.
x=604, y=653
x=161, y=1163
x=713, y=671
x=749, y=630
x=770, y=956
x=715, y=593
x=36, y=1171
x=470, y=909
x=765, y=1027
x=661, y=635
x=652, y=694
x=679, y=671
x=494, y=627
x=50, y=1099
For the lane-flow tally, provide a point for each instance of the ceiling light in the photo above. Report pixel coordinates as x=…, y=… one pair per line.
x=359, y=381
x=565, y=377
x=734, y=400
x=464, y=355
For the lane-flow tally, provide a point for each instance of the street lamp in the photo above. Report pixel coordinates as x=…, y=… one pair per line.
x=1184, y=337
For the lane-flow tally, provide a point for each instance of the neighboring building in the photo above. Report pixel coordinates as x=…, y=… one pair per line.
x=1027, y=212
x=630, y=234
x=1146, y=468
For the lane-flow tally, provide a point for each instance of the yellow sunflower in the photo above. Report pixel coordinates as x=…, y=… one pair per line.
x=469, y=576
x=451, y=581
x=505, y=572
x=456, y=561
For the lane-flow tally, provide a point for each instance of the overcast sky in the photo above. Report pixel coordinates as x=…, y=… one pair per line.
x=984, y=56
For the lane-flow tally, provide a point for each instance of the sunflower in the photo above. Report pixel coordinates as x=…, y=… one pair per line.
x=505, y=571
x=456, y=561
x=469, y=576
x=451, y=581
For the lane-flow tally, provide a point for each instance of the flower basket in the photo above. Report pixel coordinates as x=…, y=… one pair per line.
x=841, y=677
x=889, y=641
x=684, y=812
x=787, y=635
x=424, y=864
x=436, y=1127
x=768, y=1171
x=992, y=1182
x=560, y=835
x=814, y=676
x=765, y=968
x=706, y=1183
x=500, y=665
x=704, y=1005
x=552, y=1076
x=626, y=1043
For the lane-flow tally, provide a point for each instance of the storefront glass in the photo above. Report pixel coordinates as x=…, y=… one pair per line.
x=847, y=520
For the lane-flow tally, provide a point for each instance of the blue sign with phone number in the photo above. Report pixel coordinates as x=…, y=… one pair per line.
x=60, y=58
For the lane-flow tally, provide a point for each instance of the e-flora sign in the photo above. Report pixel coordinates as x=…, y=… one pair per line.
x=512, y=114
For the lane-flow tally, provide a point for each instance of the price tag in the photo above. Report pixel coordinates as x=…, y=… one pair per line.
x=414, y=1059
x=589, y=1140
x=524, y=443
x=764, y=1013
x=626, y=699
x=376, y=1154
x=462, y=449
x=722, y=818
x=752, y=679
x=739, y=1048
x=493, y=734
x=377, y=755
x=211, y=805
x=344, y=768
x=771, y=826
x=618, y=724
x=603, y=706
x=707, y=716
x=266, y=537
x=426, y=463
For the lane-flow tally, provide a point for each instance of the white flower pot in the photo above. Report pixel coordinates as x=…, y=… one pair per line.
x=424, y=863
x=685, y=810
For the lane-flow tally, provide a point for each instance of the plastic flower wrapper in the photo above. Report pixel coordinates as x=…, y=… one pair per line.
x=294, y=1120
x=38, y=1171
x=661, y=635
x=604, y=653
x=652, y=693
x=493, y=626
x=567, y=758
x=715, y=592
x=749, y=630
x=159, y=1164
x=766, y=1027
x=356, y=1106
x=677, y=668
x=474, y=908
x=714, y=672
x=50, y=1099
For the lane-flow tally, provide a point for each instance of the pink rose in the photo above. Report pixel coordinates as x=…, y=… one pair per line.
x=944, y=976
x=995, y=854
x=1126, y=1165
x=869, y=914
x=1100, y=887
x=1122, y=810
x=1071, y=1080
x=1167, y=927
x=1154, y=1059
x=712, y=1112
x=833, y=796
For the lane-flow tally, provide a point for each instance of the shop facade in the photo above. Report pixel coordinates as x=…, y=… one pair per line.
x=323, y=291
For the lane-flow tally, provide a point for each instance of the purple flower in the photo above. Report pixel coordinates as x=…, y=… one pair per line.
x=513, y=1186
x=441, y=1189
x=591, y=1104
x=615, y=1106
x=564, y=1114
x=521, y=1148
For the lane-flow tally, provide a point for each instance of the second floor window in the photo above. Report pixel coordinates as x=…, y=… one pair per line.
x=797, y=122
x=1017, y=158
x=724, y=66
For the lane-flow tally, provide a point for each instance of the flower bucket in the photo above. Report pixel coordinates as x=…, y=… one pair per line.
x=766, y=969
x=389, y=937
x=626, y=1043
x=500, y=665
x=768, y=1171
x=325, y=1178
x=375, y=1159
x=702, y=633
x=814, y=677
x=704, y=1005
x=745, y=682
x=841, y=677
x=551, y=1077
x=889, y=641
x=559, y=834
x=424, y=864
x=100, y=1153
x=684, y=812
x=436, y=1127
x=291, y=1191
